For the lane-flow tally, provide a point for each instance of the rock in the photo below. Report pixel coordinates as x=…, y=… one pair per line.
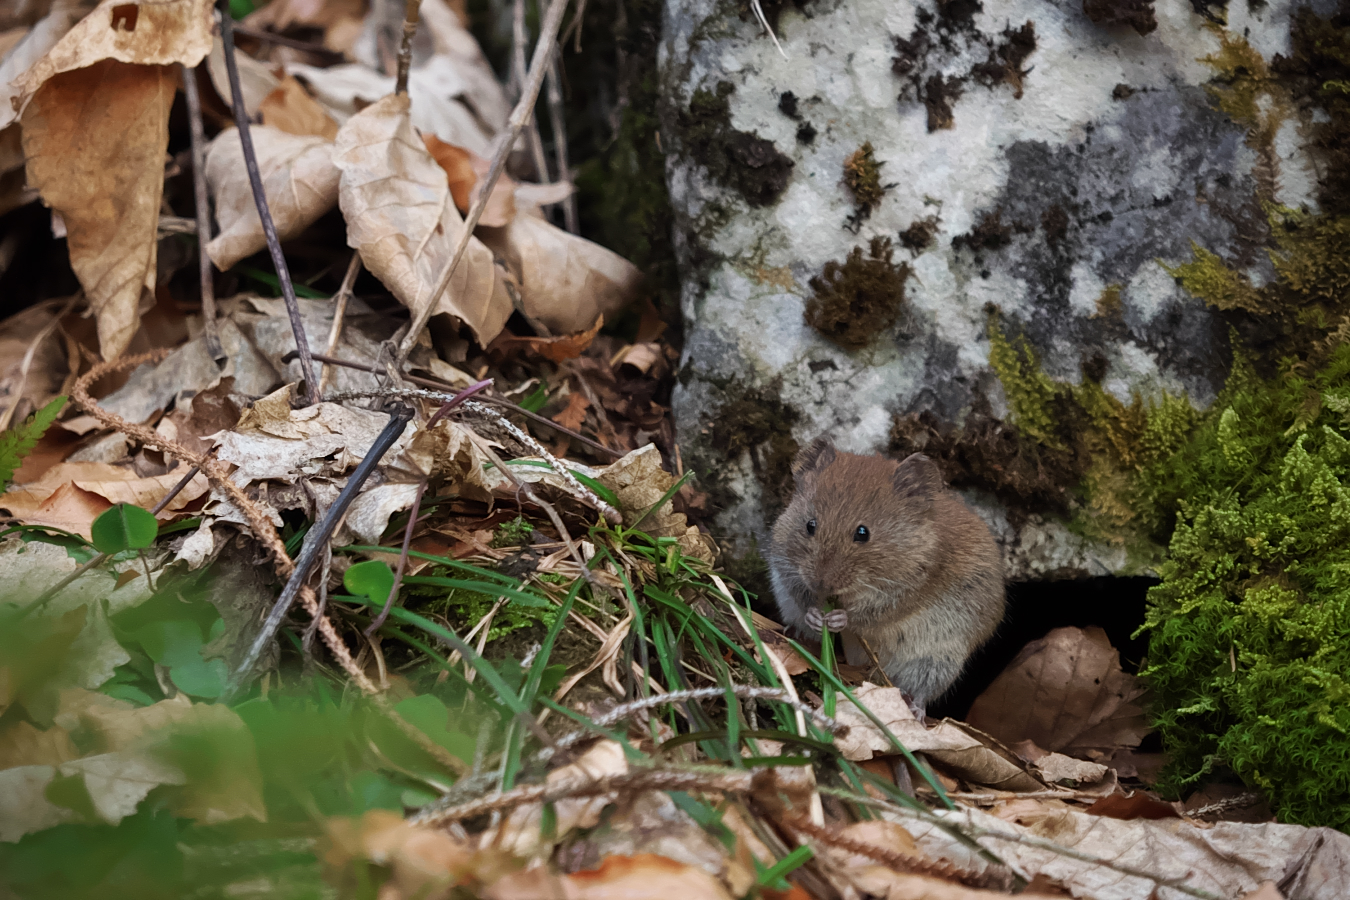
x=1032, y=162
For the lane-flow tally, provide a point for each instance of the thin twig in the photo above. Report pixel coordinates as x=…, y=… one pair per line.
x=340, y=299
x=260, y=201
x=520, y=117
x=102, y=557
x=316, y=540
x=378, y=622
x=411, y=10
x=438, y=392
x=901, y=862
x=730, y=781
x=559, y=126
x=205, y=268
x=519, y=38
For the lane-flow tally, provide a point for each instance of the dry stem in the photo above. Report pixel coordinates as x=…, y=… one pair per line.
x=205, y=268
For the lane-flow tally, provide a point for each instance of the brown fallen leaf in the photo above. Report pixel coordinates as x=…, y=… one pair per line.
x=299, y=179
x=574, y=413
x=1134, y=805
x=644, y=876
x=1067, y=693
x=402, y=219
x=67, y=508
x=554, y=349
x=36, y=43
x=291, y=109
x=463, y=169
x=567, y=282
x=340, y=20
x=639, y=482
x=95, y=141
x=256, y=80
x=112, y=483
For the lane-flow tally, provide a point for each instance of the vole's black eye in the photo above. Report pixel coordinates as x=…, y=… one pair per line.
x=810, y=526
x=862, y=535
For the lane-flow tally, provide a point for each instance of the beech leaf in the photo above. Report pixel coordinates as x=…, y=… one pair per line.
x=401, y=217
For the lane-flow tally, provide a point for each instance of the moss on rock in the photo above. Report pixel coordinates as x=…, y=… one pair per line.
x=855, y=301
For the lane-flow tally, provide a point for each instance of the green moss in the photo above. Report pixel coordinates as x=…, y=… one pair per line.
x=1248, y=630
x=1031, y=394
x=854, y=302
x=1207, y=277
x=515, y=533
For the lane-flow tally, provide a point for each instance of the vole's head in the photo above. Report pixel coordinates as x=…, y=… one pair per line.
x=859, y=529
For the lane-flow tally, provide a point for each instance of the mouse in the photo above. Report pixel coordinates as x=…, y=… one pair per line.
x=885, y=554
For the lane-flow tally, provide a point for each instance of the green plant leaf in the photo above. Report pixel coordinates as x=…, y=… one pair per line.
x=372, y=578
x=123, y=527
x=19, y=441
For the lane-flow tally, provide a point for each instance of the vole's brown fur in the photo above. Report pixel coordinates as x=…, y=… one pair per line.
x=925, y=589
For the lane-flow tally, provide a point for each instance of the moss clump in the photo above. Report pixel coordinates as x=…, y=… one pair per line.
x=854, y=301
x=515, y=533
x=862, y=177
x=1138, y=14
x=1250, y=628
x=990, y=233
x=741, y=160
x=920, y=235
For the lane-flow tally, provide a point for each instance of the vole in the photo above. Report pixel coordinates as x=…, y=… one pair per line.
x=910, y=568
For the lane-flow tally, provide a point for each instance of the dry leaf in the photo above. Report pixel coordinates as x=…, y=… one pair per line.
x=1267, y=891
x=41, y=38
x=554, y=349
x=346, y=90
x=567, y=282
x=110, y=483
x=256, y=80
x=23, y=744
x=639, y=482
x=1134, y=805
x=1067, y=693
x=47, y=370
x=299, y=179
x=291, y=109
x=401, y=218
x=521, y=832
x=424, y=863
x=463, y=169
x=95, y=141
x=340, y=20
x=1227, y=859
x=641, y=877
x=24, y=807
x=574, y=414
x=148, y=33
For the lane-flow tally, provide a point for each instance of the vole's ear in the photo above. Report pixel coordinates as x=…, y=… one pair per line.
x=812, y=458
x=917, y=476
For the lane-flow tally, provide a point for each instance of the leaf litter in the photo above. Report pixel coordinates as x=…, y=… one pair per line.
x=616, y=720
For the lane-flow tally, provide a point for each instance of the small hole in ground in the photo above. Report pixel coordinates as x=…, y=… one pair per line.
x=1116, y=605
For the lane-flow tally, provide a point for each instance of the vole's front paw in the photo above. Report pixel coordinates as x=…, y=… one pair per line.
x=814, y=619
x=836, y=619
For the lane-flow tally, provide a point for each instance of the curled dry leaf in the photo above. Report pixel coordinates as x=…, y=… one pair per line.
x=291, y=109
x=554, y=349
x=256, y=80
x=645, y=876
x=41, y=38
x=299, y=179
x=402, y=219
x=462, y=170
x=1067, y=693
x=113, y=484
x=95, y=139
x=566, y=282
